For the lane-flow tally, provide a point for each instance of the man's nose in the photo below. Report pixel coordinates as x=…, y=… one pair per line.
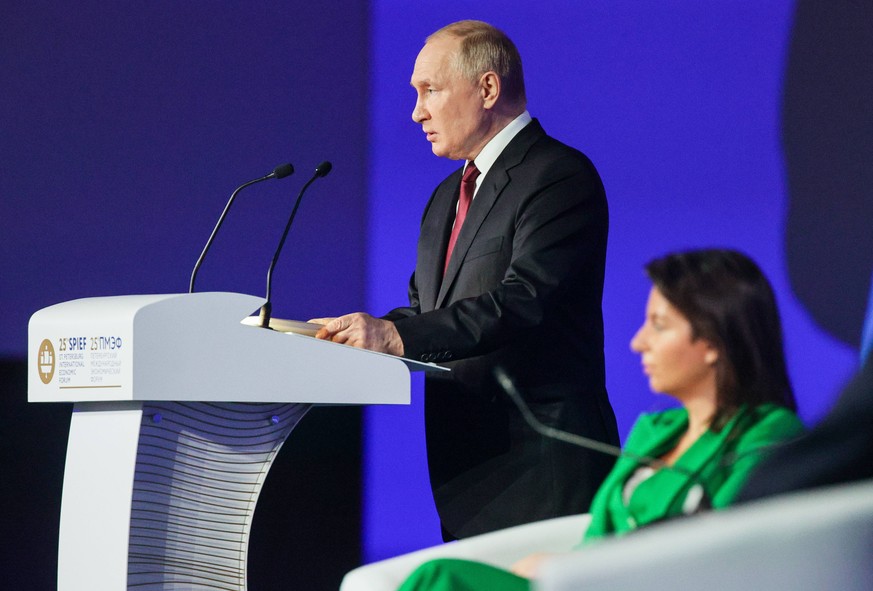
x=419, y=113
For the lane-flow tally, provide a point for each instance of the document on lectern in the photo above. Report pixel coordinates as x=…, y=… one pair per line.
x=281, y=325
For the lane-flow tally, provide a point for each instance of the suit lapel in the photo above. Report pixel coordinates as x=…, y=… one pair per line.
x=492, y=186
x=434, y=240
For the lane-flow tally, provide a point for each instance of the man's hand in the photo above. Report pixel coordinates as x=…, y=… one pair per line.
x=362, y=331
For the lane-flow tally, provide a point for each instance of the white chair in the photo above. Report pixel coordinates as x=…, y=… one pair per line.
x=820, y=539
x=501, y=548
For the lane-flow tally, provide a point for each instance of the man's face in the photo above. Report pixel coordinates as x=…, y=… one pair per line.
x=448, y=106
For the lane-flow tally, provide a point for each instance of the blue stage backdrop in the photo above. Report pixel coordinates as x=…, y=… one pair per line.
x=123, y=129
x=679, y=105
x=126, y=127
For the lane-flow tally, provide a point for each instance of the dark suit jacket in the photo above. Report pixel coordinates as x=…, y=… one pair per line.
x=523, y=290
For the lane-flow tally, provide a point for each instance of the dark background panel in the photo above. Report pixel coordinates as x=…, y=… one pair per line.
x=827, y=134
x=33, y=447
x=306, y=529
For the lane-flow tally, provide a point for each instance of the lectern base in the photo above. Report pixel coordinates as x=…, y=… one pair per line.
x=160, y=496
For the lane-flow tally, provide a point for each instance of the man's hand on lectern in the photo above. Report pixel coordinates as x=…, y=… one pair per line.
x=361, y=330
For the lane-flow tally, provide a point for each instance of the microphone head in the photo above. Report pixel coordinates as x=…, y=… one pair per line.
x=283, y=170
x=323, y=169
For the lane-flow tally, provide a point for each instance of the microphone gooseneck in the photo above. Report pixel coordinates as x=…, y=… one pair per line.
x=321, y=170
x=698, y=498
x=508, y=385
x=279, y=172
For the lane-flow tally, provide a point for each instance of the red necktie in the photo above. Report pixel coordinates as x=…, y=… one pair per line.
x=468, y=187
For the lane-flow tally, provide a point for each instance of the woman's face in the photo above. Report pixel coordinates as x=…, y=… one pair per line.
x=675, y=363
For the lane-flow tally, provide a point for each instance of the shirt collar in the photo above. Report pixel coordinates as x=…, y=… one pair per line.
x=492, y=150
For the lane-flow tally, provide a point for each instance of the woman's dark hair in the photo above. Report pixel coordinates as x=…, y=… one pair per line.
x=730, y=304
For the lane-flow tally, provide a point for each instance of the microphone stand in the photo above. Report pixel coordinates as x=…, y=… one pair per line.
x=321, y=170
x=279, y=172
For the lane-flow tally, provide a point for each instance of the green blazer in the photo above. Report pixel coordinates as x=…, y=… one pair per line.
x=720, y=462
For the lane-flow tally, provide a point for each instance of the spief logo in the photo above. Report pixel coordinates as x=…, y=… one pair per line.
x=46, y=361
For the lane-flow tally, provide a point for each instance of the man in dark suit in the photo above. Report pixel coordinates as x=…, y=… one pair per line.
x=518, y=285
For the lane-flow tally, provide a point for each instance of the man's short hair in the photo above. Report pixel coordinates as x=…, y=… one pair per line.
x=485, y=48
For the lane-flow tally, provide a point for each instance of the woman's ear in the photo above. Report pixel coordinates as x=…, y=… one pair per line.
x=711, y=355
x=489, y=89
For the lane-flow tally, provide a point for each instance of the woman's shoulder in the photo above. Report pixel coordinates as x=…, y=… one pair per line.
x=774, y=414
x=771, y=422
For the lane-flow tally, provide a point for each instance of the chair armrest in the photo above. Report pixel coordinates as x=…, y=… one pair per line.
x=501, y=548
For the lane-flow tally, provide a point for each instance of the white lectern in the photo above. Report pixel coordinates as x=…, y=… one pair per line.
x=179, y=411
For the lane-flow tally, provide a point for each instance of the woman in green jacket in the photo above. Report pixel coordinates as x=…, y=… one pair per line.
x=712, y=340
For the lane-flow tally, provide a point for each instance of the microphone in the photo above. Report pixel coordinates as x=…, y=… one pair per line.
x=279, y=172
x=321, y=170
x=697, y=499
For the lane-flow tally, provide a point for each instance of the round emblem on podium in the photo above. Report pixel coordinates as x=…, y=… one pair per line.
x=46, y=361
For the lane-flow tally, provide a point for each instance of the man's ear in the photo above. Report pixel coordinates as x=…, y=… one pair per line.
x=489, y=89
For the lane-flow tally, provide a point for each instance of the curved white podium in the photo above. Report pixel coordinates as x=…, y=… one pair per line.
x=179, y=412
